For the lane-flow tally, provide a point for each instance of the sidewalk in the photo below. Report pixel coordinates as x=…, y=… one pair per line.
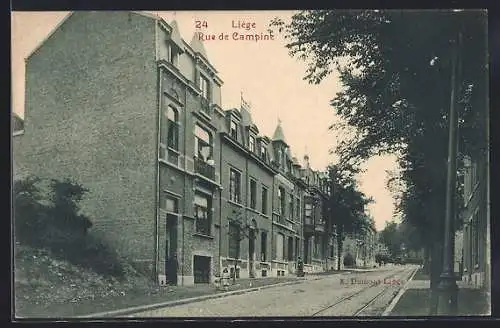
x=142, y=297
x=414, y=299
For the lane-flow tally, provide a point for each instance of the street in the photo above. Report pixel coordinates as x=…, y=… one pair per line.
x=346, y=294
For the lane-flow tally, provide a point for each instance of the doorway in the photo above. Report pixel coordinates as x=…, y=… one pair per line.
x=171, y=262
x=297, y=247
x=201, y=268
x=251, y=253
x=306, y=250
x=290, y=249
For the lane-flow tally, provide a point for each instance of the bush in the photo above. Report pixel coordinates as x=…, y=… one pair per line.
x=349, y=260
x=58, y=227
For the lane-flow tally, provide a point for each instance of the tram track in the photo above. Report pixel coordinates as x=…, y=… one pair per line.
x=366, y=305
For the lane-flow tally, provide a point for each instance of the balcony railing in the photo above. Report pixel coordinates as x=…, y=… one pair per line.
x=203, y=168
x=205, y=106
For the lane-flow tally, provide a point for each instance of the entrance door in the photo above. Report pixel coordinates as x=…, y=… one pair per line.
x=201, y=268
x=297, y=250
x=251, y=253
x=306, y=250
x=171, y=262
x=290, y=249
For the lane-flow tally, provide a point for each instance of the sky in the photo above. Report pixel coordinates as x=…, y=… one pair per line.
x=262, y=71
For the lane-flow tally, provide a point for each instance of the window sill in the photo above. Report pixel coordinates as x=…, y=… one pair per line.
x=235, y=203
x=280, y=261
x=174, y=150
x=199, y=234
x=204, y=114
x=253, y=210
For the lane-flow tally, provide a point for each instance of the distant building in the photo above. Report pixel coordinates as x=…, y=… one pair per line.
x=121, y=104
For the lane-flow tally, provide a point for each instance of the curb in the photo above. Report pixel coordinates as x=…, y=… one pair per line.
x=398, y=296
x=142, y=308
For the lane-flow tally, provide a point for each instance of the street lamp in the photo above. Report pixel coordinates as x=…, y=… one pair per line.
x=447, y=301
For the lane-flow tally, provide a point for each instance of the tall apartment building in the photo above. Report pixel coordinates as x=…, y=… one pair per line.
x=120, y=103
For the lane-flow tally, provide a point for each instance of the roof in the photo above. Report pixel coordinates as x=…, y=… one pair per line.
x=278, y=134
x=197, y=45
x=246, y=117
x=175, y=35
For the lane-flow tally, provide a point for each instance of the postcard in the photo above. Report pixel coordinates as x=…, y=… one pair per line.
x=304, y=164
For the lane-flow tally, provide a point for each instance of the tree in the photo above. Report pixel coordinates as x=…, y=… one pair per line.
x=391, y=238
x=347, y=206
x=396, y=93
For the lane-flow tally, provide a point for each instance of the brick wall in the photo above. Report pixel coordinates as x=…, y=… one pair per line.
x=91, y=115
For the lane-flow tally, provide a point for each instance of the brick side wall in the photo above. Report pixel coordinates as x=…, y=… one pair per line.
x=91, y=106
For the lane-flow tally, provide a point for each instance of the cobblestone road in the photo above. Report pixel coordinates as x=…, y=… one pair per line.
x=313, y=297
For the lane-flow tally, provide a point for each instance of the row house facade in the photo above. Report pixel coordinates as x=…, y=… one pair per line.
x=473, y=240
x=182, y=188
x=475, y=237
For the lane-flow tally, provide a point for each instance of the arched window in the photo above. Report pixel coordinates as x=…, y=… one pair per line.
x=173, y=128
x=169, y=134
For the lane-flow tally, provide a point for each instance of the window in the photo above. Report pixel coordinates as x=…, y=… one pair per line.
x=263, y=246
x=263, y=152
x=173, y=128
x=280, y=157
x=172, y=55
x=253, y=194
x=233, y=130
x=251, y=144
x=202, y=143
x=234, y=186
x=282, y=202
x=297, y=210
x=204, y=87
x=279, y=246
x=234, y=241
x=203, y=213
x=169, y=134
x=169, y=203
x=291, y=207
x=264, y=200
x=308, y=213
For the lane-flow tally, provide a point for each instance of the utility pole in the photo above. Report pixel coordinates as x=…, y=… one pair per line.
x=448, y=289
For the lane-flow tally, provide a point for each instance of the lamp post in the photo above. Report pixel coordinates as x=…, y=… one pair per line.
x=448, y=289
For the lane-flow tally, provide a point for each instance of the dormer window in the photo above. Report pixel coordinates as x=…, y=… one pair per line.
x=251, y=143
x=233, y=130
x=263, y=152
x=204, y=87
x=172, y=54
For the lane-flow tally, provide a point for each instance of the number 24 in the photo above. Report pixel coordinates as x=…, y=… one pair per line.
x=200, y=24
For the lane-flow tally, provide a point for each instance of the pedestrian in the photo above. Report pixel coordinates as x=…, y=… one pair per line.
x=300, y=267
x=225, y=278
